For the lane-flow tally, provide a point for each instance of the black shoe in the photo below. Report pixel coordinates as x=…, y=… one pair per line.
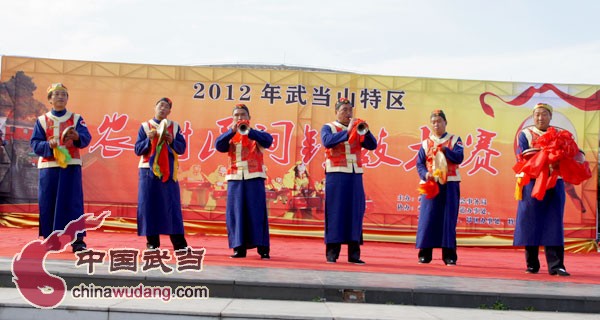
x=150, y=246
x=263, y=252
x=265, y=256
x=424, y=260
x=559, y=272
x=331, y=260
x=79, y=246
x=532, y=270
x=356, y=261
x=238, y=254
x=450, y=262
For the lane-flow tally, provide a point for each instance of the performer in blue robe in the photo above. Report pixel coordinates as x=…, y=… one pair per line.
x=540, y=223
x=344, y=191
x=60, y=190
x=438, y=216
x=246, y=212
x=159, y=203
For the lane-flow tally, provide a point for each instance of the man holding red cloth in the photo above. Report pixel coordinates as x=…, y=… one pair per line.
x=246, y=212
x=159, y=143
x=438, y=212
x=344, y=191
x=545, y=153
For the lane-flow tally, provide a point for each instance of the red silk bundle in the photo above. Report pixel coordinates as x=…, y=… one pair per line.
x=555, y=158
x=430, y=189
x=353, y=135
x=159, y=159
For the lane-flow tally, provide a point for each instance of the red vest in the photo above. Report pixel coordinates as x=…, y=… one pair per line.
x=431, y=143
x=54, y=127
x=345, y=156
x=245, y=159
x=172, y=128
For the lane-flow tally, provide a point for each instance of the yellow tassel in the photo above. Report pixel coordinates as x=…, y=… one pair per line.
x=155, y=166
x=175, y=166
x=519, y=190
x=62, y=156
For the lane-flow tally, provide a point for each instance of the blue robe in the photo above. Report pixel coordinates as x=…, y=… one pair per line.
x=344, y=194
x=246, y=212
x=60, y=191
x=159, y=203
x=539, y=223
x=438, y=216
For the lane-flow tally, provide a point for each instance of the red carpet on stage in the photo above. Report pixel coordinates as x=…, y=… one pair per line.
x=309, y=253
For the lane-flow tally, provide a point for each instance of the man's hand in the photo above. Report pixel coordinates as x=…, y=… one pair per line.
x=168, y=138
x=152, y=134
x=429, y=176
x=72, y=135
x=53, y=142
x=351, y=124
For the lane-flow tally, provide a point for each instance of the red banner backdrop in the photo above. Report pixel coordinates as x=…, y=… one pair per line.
x=115, y=98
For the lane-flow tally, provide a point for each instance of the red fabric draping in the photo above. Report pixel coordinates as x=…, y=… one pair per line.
x=159, y=160
x=353, y=135
x=555, y=158
x=590, y=103
x=430, y=189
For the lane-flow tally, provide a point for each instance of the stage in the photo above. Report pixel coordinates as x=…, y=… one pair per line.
x=297, y=271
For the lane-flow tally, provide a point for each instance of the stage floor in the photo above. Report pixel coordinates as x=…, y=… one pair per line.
x=309, y=254
x=484, y=277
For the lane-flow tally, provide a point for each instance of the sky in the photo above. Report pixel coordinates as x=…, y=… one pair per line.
x=533, y=41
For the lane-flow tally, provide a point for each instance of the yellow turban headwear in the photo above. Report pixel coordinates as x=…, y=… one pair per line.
x=543, y=105
x=55, y=87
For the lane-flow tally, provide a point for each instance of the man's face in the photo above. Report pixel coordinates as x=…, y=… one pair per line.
x=162, y=110
x=541, y=118
x=58, y=100
x=240, y=114
x=344, y=114
x=438, y=125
